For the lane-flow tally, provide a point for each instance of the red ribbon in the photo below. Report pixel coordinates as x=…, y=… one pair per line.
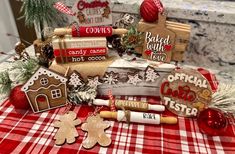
x=64, y=9
x=210, y=77
x=112, y=105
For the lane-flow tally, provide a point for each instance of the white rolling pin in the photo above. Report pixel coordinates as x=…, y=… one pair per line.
x=130, y=105
x=138, y=117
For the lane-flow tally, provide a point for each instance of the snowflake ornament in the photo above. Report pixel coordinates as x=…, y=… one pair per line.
x=110, y=78
x=75, y=80
x=151, y=74
x=134, y=79
x=93, y=82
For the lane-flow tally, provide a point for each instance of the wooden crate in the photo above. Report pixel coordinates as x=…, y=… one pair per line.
x=122, y=67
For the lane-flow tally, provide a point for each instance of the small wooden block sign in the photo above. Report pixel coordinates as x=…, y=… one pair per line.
x=185, y=92
x=46, y=90
x=93, y=12
x=159, y=42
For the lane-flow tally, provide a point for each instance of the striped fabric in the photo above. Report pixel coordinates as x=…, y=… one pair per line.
x=25, y=132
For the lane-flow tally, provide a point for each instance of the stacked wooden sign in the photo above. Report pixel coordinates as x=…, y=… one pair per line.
x=79, y=49
x=80, y=44
x=179, y=35
x=75, y=49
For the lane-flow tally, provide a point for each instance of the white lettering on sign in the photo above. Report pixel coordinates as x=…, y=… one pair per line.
x=188, y=111
x=78, y=52
x=98, y=30
x=97, y=58
x=188, y=78
x=87, y=44
x=161, y=57
x=156, y=43
x=77, y=59
x=82, y=59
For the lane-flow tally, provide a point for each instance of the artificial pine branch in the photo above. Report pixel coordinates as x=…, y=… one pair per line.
x=5, y=83
x=84, y=94
x=224, y=98
x=25, y=69
x=40, y=12
x=132, y=39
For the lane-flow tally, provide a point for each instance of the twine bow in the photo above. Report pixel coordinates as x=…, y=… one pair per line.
x=127, y=115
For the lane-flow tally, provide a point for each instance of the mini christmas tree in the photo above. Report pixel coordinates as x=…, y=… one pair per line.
x=75, y=80
x=40, y=12
x=151, y=75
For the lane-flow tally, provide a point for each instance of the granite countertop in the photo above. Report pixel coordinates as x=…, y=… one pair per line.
x=212, y=39
x=203, y=10
x=212, y=34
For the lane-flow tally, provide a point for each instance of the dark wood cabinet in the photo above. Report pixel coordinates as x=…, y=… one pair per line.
x=26, y=33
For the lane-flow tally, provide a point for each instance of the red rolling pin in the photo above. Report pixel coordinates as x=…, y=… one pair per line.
x=101, y=31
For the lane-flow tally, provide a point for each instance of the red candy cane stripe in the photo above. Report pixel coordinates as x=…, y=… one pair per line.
x=97, y=110
x=210, y=77
x=112, y=105
x=159, y=5
x=63, y=8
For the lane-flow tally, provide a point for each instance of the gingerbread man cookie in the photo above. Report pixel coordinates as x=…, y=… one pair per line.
x=95, y=127
x=81, y=17
x=106, y=13
x=67, y=131
x=205, y=94
x=199, y=105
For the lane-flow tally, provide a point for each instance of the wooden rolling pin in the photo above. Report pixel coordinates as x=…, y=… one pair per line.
x=130, y=105
x=138, y=117
x=101, y=31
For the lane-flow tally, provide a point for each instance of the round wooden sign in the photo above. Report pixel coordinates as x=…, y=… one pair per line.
x=185, y=92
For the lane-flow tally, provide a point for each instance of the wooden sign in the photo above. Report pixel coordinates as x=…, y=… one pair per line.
x=74, y=49
x=67, y=128
x=46, y=90
x=181, y=30
x=185, y=92
x=93, y=12
x=95, y=127
x=159, y=42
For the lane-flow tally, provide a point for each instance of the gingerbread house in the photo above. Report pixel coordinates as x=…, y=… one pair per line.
x=46, y=90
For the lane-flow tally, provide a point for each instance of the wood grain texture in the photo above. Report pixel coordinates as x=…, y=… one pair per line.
x=141, y=89
x=182, y=32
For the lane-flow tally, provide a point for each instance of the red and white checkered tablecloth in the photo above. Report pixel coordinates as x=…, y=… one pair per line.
x=26, y=132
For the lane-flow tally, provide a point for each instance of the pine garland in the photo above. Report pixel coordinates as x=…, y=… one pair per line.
x=5, y=82
x=132, y=39
x=85, y=94
x=25, y=69
x=224, y=98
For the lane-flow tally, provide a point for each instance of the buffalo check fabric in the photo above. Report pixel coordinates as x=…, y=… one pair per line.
x=25, y=132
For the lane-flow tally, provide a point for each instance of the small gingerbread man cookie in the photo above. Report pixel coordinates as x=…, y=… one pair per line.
x=95, y=127
x=67, y=131
x=199, y=105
